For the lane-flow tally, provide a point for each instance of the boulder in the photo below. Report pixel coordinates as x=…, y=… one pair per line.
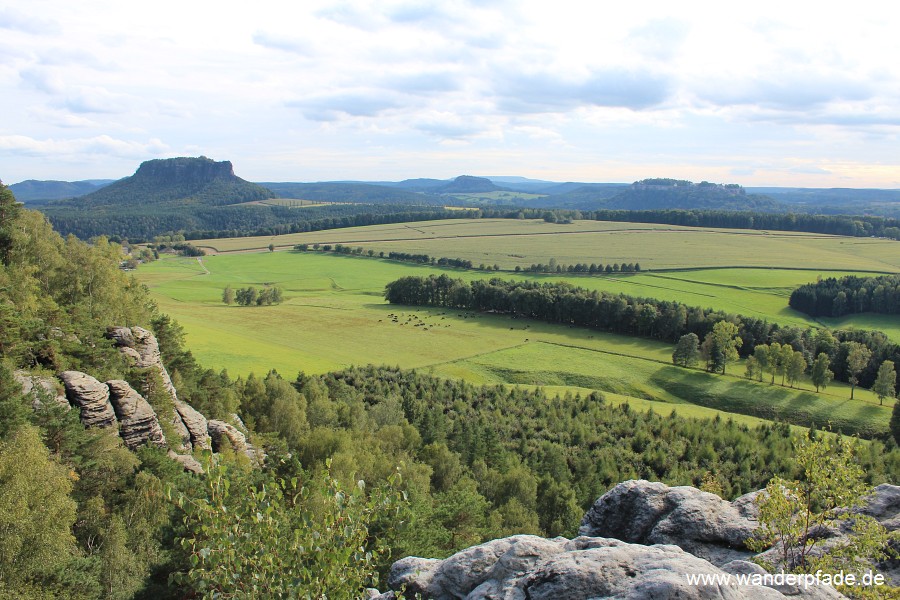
x=701, y=523
x=195, y=424
x=188, y=462
x=40, y=389
x=138, y=424
x=91, y=396
x=223, y=433
x=525, y=567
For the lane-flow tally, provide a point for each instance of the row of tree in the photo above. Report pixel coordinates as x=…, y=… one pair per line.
x=562, y=302
x=833, y=297
x=422, y=259
x=594, y=268
x=251, y=296
x=720, y=346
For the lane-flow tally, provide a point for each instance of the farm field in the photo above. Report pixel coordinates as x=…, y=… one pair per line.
x=334, y=316
x=510, y=243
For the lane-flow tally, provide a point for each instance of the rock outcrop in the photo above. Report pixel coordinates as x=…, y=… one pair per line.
x=196, y=425
x=91, y=396
x=188, y=462
x=138, y=423
x=141, y=346
x=526, y=567
x=226, y=435
x=40, y=389
x=698, y=522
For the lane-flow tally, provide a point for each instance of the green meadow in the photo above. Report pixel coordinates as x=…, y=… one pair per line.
x=509, y=243
x=334, y=316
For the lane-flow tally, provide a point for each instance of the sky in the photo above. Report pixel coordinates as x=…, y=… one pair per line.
x=764, y=93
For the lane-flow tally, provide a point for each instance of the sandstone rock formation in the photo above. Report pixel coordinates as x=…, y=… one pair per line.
x=195, y=424
x=91, y=396
x=141, y=346
x=526, y=567
x=40, y=388
x=223, y=433
x=188, y=462
x=138, y=424
x=703, y=524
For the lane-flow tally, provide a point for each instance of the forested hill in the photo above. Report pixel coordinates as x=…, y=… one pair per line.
x=33, y=191
x=655, y=194
x=196, y=180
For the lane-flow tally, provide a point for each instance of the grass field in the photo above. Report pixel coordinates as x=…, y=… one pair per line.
x=334, y=316
x=510, y=243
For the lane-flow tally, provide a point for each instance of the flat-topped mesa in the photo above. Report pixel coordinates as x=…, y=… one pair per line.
x=192, y=169
x=138, y=423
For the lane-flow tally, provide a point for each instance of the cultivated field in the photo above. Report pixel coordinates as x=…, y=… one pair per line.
x=335, y=316
x=510, y=243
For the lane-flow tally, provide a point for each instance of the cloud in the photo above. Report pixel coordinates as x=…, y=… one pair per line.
x=102, y=144
x=284, y=43
x=811, y=170
x=332, y=107
x=42, y=79
x=614, y=87
x=18, y=21
x=417, y=13
x=95, y=100
x=659, y=38
x=345, y=13
x=425, y=82
x=790, y=91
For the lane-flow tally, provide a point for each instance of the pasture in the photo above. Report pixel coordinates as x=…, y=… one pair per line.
x=334, y=316
x=510, y=243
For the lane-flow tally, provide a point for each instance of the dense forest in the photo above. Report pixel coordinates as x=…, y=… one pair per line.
x=561, y=302
x=363, y=465
x=833, y=297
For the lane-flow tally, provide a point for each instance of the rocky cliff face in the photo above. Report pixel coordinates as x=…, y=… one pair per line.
x=665, y=536
x=116, y=404
x=184, y=169
x=138, y=424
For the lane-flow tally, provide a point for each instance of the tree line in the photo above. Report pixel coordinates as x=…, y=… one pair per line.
x=836, y=297
x=422, y=259
x=849, y=225
x=562, y=302
x=593, y=268
x=251, y=296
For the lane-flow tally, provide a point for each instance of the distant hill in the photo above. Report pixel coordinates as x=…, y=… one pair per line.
x=195, y=180
x=466, y=184
x=654, y=194
x=368, y=193
x=33, y=190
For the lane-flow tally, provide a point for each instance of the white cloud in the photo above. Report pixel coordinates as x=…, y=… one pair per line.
x=454, y=84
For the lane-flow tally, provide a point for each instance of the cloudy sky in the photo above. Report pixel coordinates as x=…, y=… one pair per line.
x=773, y=93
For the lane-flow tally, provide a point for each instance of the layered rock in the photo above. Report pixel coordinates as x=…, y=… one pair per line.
x=225, y=435
x=701, y=523
x=141, y=346
x=91, y=396
x=188, y=462
x=40, y=389
x=195, y=424
x=526, y=567
x=138, y=423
